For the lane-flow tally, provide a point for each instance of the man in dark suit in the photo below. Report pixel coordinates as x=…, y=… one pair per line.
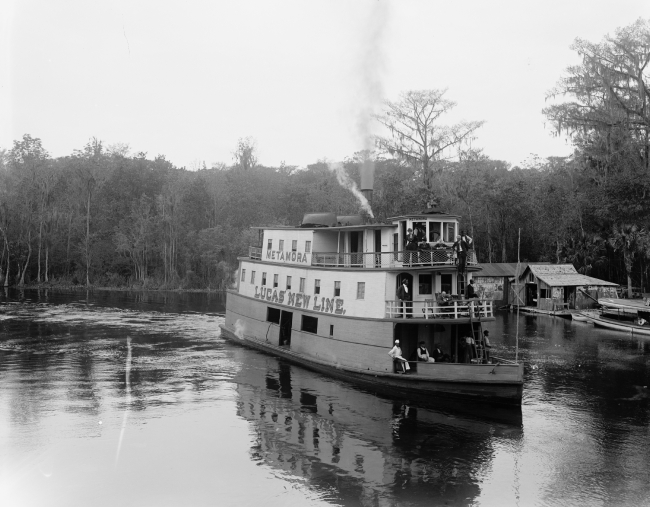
x=405, y=297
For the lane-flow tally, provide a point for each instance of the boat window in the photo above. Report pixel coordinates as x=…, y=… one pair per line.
x=331, y=329
x=252, y=276
x=309, y=324
x=294, y=245
x=307, y=246
x=302, y=285
x=426, y=284
x=273, y=315
x=243, y=275
x=275, y=280
x=281, y=245
x=450, y=231
x=435, y=231
x=361, y=290
x=316, y=286
x=288, y=283
x=337, y=289
x=264, y=278
x=270, y=245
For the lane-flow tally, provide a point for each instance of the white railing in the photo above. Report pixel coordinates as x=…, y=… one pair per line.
x=429, y=309
x=370, y=260
x=255, y=252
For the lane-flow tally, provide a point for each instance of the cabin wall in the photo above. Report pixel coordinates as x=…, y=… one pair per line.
x=300, y=256
x=327, y=241
x=354, y=343
x=373, y=304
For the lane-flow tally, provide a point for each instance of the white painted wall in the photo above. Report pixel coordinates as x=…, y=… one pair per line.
x=372, y=306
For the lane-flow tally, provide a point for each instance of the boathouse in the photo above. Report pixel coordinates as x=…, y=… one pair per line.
x=493, y=281
x=558, y=287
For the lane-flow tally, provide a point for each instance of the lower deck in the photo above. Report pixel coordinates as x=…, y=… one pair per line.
x=360, y=347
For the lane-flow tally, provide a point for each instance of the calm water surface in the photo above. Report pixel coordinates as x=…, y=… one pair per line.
x=113, y=398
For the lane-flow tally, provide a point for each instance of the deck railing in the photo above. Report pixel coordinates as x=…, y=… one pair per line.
x=372, y=260
x=255, y=252
x=429, y=309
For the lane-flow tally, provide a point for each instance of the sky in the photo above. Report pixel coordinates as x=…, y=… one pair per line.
x=301, y=78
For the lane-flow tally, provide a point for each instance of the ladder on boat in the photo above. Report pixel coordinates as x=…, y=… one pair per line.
x=477, y=335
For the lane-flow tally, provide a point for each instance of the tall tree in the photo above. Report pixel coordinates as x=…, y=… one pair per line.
x=607, y=111
x=415, y=134
x=92, y=172
x=630, y=240
x=245, y=155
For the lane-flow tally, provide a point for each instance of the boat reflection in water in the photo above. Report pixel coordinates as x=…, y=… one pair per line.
x=355, y=447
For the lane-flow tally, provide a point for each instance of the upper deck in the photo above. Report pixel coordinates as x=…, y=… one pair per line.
x=344, y=242
x=424, y=257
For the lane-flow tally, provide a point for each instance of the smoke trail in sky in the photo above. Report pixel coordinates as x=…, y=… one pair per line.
x=347, y=182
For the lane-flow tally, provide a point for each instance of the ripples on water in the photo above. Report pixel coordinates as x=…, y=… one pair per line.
x=204, y=422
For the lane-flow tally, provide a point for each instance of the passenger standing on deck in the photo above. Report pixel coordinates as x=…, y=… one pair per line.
x=405, y=297
x=411, y=246
x=401, y=364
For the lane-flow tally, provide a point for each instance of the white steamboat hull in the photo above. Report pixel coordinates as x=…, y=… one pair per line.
x=358, y=352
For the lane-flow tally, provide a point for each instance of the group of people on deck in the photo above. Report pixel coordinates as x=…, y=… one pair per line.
x=402, y=365
x=467, y=352
x=460, y=247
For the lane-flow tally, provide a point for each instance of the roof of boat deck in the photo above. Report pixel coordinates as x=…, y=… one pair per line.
x=336, y=228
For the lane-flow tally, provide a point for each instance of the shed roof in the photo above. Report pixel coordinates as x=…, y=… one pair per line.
x=562, y=275
x=502, y=269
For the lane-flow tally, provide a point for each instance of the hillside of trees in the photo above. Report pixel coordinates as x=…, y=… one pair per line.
x=103, y=217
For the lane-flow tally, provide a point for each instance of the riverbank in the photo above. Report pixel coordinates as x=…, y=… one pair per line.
x=84, y=288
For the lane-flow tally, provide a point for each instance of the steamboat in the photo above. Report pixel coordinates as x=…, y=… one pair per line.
x=323, y=295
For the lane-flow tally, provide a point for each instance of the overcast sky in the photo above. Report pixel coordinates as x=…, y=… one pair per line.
x=187, y=79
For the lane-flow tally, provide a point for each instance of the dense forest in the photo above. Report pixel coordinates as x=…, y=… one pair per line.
x=104, y=217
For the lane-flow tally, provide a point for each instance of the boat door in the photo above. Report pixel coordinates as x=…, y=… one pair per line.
x=378, y=248
x=286, y=320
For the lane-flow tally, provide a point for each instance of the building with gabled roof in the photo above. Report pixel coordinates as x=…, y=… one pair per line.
x=559, y=287
x=493, y=280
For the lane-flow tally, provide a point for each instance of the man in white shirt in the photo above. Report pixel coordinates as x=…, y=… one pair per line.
x=401, y=364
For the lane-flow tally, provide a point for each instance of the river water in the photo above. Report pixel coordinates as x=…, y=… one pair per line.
x=115, y=398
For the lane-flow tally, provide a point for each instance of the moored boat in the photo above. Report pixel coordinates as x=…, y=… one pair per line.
x=323, y=295
x=636, y=326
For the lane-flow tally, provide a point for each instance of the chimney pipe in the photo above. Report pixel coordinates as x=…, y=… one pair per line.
x=367, y=179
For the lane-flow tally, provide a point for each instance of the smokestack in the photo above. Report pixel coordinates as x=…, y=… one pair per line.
x=367, y=179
